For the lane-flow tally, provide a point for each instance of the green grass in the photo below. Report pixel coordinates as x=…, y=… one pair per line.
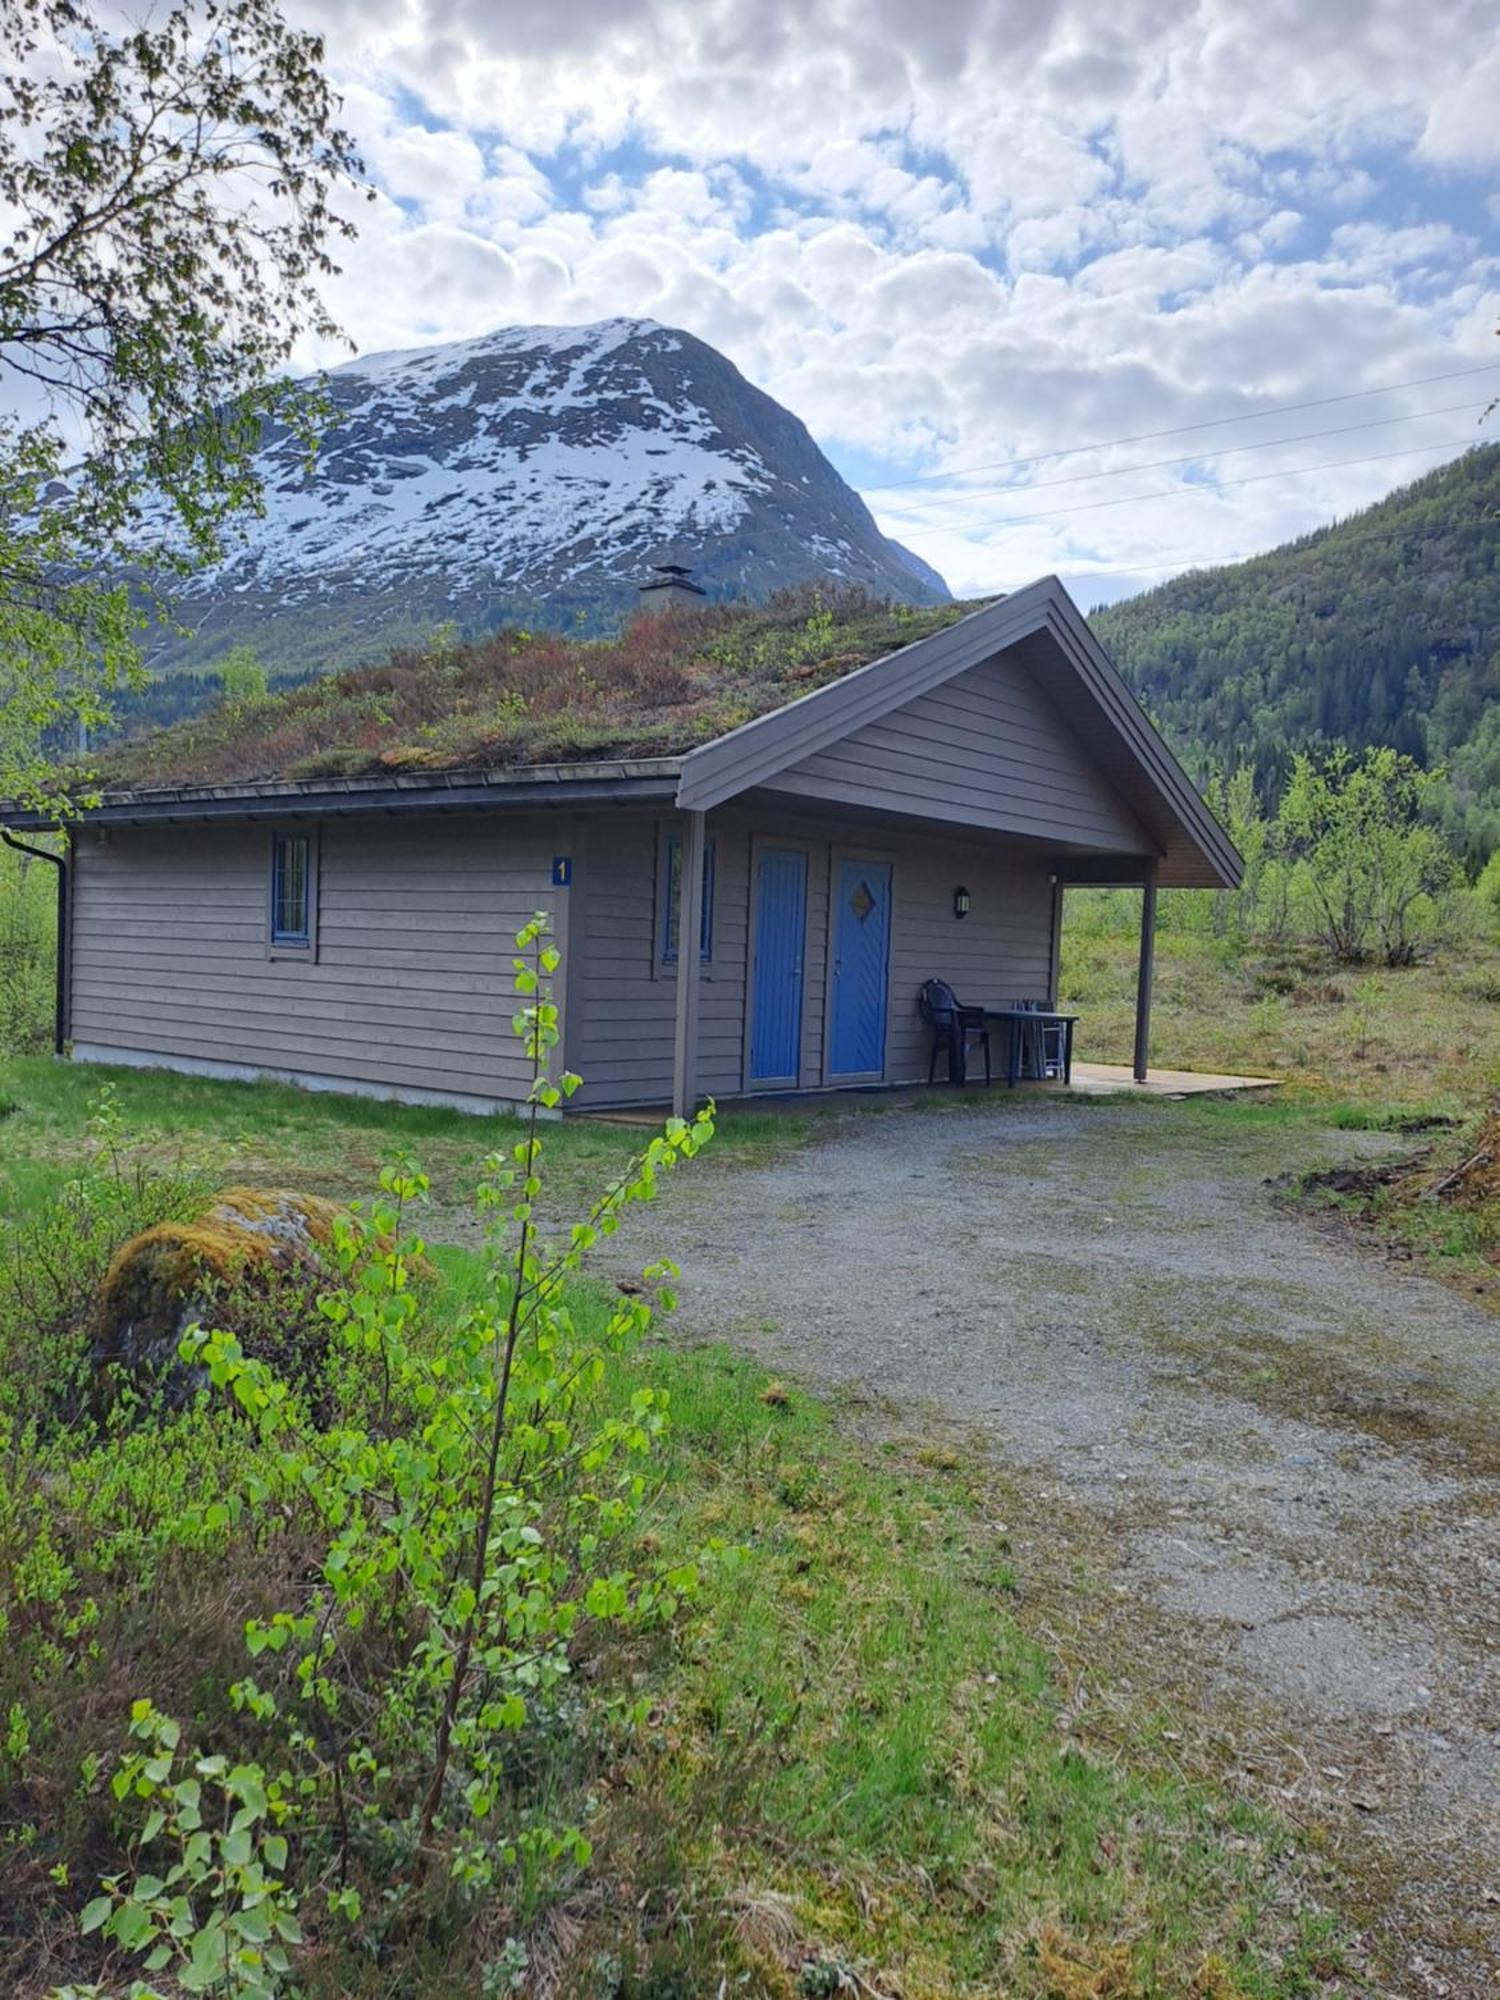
x=856, y=1755
x=1423, y=1038
x=321, y=1143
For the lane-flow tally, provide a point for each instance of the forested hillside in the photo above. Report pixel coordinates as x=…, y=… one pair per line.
x=1384, y=628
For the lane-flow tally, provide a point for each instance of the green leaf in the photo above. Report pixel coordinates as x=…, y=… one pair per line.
x=131, y=1925
x=252, y=1924
x=95, y=1914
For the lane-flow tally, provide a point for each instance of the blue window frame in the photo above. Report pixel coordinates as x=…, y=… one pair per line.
x=671, y=900
x=291, y=890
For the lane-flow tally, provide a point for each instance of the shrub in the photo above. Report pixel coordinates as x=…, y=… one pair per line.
x=1372, y=865
x=1487, y=890
x=28, y=927
x=53, y=1265
x=416, y=1571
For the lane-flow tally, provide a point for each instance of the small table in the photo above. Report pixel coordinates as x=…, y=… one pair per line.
x=1015, y=1020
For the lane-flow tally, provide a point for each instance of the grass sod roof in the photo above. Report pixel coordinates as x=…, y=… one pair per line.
x=665, y=684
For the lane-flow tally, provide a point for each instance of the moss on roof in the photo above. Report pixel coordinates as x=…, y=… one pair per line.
x=665, y=684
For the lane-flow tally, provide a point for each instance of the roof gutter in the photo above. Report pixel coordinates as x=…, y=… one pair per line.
x=60, y=1003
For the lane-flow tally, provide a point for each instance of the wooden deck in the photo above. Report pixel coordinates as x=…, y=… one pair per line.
x=1104, y=1079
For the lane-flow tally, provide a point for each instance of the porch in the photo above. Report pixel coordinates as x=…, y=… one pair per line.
x=1113, y=1079
x=895, y=907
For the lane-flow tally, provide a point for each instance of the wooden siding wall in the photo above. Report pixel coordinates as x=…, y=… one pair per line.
x=987, y=749
x=411, y=988
x=622, y=1004
x=621, y=1008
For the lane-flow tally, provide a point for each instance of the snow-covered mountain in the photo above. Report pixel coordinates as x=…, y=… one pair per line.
x=531, y=475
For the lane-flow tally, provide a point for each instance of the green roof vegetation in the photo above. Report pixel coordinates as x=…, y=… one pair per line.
x=664, y=684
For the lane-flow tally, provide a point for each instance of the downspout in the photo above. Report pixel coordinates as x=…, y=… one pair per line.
x=60, y=863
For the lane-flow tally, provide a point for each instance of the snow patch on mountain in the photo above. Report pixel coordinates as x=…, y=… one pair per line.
x=536, y=471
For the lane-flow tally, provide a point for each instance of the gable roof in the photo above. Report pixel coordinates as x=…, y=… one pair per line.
x=1039, y=626
x=1045, y=626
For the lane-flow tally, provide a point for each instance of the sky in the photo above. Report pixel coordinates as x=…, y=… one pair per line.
x=1003, y=257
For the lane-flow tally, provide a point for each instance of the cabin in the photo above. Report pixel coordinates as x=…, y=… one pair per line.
x=751, y=913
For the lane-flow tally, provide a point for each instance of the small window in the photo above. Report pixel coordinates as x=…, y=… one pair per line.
x=291, y=891
x=671, y=901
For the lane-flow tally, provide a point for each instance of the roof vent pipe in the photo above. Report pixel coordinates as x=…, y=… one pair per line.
x=671, y=584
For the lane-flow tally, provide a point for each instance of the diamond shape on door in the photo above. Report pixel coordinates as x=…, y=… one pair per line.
x=862, y=902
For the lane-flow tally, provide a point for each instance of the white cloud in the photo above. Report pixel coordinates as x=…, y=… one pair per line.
x=1369, y=249
x=945, y=231
x=1462, y=125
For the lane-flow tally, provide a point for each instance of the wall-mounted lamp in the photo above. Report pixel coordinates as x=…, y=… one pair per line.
x=960, y=902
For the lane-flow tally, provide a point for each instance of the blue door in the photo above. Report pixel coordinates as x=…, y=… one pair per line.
x=776, y=980
x=861, y=956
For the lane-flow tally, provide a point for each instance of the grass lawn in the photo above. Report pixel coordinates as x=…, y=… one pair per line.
x=275, y=1134
x=856, y=1772
x=854, y=1765
x=1424, y=1038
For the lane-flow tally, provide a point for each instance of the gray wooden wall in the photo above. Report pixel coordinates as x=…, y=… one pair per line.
x=621, y=1004
x=411, y=989
x=988, y=749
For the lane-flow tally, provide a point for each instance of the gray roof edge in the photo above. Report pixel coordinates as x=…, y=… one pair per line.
x=1120, y=705
x=607, y=781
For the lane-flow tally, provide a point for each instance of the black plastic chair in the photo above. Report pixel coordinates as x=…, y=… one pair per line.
x=955, y=1028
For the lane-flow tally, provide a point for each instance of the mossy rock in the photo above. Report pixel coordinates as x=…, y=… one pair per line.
x=254, y=1264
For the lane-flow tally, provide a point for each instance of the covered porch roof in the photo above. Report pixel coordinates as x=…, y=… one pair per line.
x=1042, y=629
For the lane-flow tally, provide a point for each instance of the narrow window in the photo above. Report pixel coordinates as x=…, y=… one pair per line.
x=291, y=890
x=667, y=923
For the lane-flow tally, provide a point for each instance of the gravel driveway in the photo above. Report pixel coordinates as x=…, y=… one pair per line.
x=1249, y=1468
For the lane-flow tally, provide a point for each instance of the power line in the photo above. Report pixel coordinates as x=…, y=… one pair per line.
x=1180, y=430
x=1250, y=479
x=1202, y=457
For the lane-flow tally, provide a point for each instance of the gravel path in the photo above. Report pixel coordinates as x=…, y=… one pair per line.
x=1250, y=1468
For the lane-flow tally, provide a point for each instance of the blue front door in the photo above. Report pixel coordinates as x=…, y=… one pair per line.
x=776, y=988
x=861, y=957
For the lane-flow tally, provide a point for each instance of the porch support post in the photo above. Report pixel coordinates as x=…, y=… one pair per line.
x=1144, y=975
x=689, y=967
x=1054, y=960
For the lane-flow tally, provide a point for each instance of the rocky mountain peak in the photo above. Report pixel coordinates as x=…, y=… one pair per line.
x=532, y=475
